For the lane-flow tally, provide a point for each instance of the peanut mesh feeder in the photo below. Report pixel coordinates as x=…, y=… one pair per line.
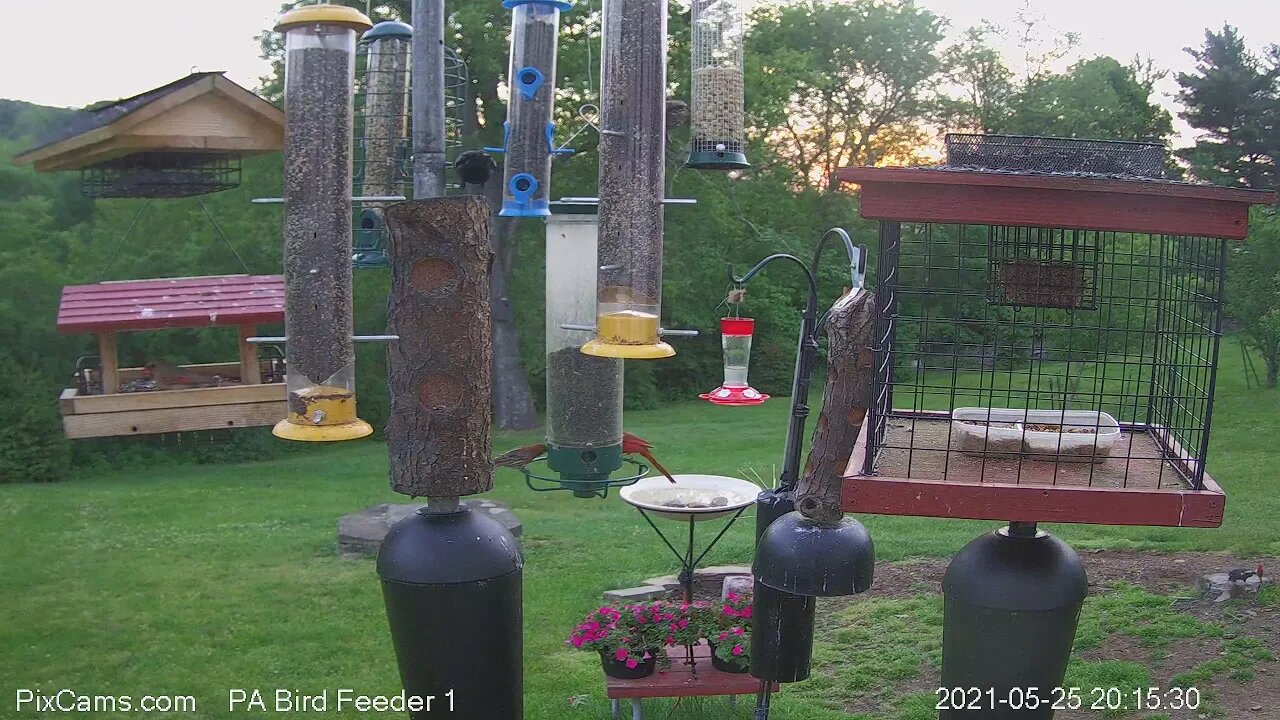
x=320, y=48
x=718, y=112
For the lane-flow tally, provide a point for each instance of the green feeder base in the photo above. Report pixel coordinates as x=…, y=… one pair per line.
x=713, y=160
x=585, y=471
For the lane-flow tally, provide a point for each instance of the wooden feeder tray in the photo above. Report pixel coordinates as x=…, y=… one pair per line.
x=1039, y=283
x=106, y=308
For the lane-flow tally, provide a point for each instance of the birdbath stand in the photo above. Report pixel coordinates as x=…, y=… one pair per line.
x=691, y=500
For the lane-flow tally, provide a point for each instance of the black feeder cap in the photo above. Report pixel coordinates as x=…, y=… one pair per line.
x=815, y=559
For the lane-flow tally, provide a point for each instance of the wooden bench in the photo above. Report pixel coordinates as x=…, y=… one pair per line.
x=681, y=680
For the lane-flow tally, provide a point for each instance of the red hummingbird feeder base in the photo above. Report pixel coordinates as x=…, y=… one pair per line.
x=743, y=395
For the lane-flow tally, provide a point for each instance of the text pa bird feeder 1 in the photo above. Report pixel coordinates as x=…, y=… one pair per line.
x=383, y=153
x=1047, y=339
x=735, y=340
x=718, y=113
x=530, y=132
x=632, y=177
x=320, y=49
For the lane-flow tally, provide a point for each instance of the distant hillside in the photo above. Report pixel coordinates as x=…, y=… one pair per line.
x=23, y=123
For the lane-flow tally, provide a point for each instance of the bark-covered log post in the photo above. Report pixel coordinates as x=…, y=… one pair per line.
x=846, y=400
x=440, y=435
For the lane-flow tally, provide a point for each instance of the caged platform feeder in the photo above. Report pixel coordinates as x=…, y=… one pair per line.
x=113, y=401
x=1047, y=341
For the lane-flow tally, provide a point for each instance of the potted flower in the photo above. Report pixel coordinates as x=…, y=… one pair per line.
x=628, y=638
x=730, y=637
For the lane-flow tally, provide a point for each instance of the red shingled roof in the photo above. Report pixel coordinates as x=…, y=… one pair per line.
x=172, y=303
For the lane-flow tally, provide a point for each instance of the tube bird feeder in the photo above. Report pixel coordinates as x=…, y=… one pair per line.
x=530, y=132
x=718, y=112
x=632, y=176
x=320, y=48
x=735, y=340
x=584, y=393
x=383, y=146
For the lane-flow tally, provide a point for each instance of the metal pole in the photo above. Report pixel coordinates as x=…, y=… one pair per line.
x=428, y=98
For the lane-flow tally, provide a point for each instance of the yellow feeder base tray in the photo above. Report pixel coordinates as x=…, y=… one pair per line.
x=655, y=351
x=354, y=430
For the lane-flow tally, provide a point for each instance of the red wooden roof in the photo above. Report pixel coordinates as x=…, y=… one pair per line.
x=172, y=303
x=1044, y=200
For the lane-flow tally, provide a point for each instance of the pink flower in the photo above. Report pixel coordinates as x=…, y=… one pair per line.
x=737, y=650
x=684, y=623
x=738, y=631
x=631, y=663
x=671, y=639
x=621, y=654
x=731, y=597
x=729, y=611
x=723, y=635
x=577, y=642
x=746, y=612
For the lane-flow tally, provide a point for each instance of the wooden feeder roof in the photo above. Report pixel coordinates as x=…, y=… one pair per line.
x=203, y=112
x=172, y=303
x=947, y=195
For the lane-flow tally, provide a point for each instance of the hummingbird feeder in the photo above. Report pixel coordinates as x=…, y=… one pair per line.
x=320, y=50
x=717, y=122
x=632, y=177
x=529, y=132
x=735, y=340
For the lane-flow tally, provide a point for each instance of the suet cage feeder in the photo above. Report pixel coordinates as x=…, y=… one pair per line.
x=735, y=341
x=529, y=133
x=1047, y=336
x=632, y=181
x=718, y=108
x=320, y=52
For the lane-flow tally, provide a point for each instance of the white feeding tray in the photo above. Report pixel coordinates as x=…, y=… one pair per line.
x=696, y=497
x=1057, y=435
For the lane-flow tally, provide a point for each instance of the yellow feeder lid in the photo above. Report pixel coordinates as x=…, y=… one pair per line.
x=628, y=334
x=289, y=430
x=325, y=14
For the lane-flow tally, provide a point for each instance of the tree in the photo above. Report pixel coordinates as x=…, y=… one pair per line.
x=1095, y=98
x=985, y=82
x=835, y=84
x=1233, y=98
x=1253, y=295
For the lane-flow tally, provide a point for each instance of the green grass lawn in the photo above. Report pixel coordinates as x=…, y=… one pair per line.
x=197, y=579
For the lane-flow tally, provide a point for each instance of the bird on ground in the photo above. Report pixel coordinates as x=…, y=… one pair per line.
x=475, y=167
x=631, y=445
x=1241, y=575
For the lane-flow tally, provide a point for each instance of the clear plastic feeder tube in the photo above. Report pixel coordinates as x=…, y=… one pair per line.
x=530, y=131
x=735, y=340
x=717, y=122
x=320, y=47
x=632, y=174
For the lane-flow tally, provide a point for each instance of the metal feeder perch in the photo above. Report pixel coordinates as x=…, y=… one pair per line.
x=320, y=47
x=735, y=340
x=530, y=132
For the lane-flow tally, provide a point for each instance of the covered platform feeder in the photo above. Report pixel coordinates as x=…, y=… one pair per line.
x=530, y=131
x=320, y=47
x=1045, y=350
x=719, y=107
x=632, y=176
x=114, y=401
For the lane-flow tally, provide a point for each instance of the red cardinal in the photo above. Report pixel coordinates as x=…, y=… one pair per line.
x=631, y=445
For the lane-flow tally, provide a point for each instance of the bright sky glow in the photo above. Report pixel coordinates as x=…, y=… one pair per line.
x=74, y=52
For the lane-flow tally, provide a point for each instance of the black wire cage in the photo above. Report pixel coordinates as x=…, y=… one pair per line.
x=161, y=174
x=1046, y=330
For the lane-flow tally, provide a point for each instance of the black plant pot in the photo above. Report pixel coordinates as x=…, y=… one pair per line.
x=726, y=666
x=618, y=668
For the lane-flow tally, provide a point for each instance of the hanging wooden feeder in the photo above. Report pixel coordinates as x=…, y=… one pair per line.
x=113, y=401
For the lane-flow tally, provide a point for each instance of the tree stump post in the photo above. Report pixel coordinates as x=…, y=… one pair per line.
x=846, y=400
x=439, y=436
